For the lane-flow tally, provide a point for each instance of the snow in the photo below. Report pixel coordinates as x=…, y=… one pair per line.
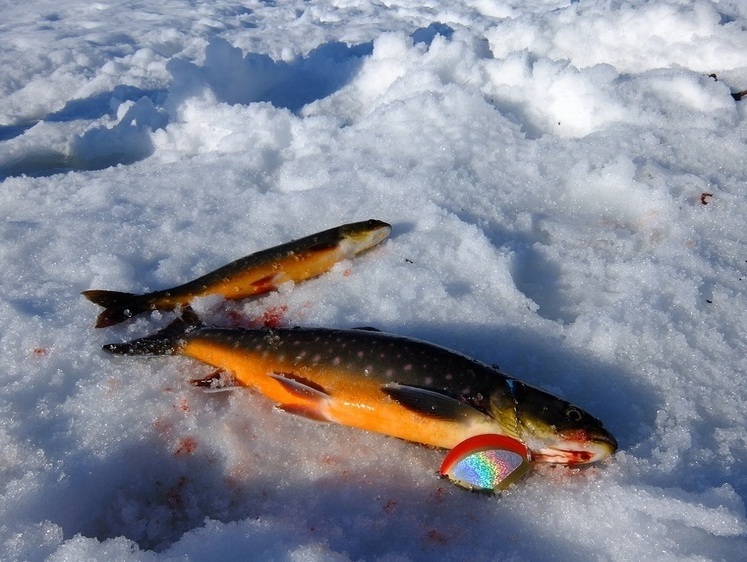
x=566, y=184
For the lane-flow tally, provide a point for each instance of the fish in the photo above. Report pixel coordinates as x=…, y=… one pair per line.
x=385, y=383
x=252, y=275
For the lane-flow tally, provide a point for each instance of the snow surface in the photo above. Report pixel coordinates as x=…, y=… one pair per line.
x=567, y=188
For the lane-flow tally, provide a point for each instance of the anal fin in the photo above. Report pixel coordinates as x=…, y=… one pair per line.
x=306, y=398
x=266, y=284
x=305, y=410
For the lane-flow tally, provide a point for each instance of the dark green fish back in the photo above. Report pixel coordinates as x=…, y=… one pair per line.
x=367, y=353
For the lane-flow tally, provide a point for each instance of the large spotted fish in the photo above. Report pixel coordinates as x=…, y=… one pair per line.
x=388, y=384
x=252, y=275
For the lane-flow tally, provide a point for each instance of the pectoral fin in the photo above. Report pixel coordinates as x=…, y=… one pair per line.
x=429, y=402
x=503, y=410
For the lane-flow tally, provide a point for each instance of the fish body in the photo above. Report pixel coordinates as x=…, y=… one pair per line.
x=251, y=275
x=389, y=384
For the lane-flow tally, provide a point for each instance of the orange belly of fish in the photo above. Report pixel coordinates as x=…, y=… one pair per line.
x=343, y=397
x=268, y=277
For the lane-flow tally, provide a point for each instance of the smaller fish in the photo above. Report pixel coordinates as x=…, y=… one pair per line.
x=251, y=275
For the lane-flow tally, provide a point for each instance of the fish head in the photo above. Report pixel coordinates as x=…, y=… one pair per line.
x=554, y=430
x=361, y=236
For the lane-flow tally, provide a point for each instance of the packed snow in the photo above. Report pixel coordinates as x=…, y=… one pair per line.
x=567, y=186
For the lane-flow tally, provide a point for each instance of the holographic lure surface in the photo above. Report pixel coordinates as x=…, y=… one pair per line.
x=486, y=463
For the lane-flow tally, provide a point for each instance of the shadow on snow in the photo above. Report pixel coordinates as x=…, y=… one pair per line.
x=232, y=76
x=236, y=78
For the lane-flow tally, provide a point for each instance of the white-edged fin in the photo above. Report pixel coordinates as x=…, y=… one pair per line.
x=308, y=411
x=299, y=386
x=309, y=400
x=429, y=402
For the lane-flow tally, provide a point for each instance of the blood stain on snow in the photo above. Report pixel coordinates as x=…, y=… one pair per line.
x=270, y=318
x=187, y=446
x=273, y=316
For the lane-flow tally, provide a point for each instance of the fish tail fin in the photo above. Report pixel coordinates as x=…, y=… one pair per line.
x=164, y=342
x=118, y=306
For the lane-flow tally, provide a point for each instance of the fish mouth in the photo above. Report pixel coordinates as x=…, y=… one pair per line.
x=366, y=235
x=578, y=451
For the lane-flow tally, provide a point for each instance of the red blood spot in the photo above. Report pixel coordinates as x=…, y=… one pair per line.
x=347, y=273
x=580, y=457
x=40, y=352
x=390, y=506
x=183, y=405
x=273, y=316
x=187, y=446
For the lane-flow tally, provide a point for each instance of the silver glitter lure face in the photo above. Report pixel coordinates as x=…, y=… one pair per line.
x=486, y=463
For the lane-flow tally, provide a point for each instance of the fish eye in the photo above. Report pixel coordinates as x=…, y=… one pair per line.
x=573, y=414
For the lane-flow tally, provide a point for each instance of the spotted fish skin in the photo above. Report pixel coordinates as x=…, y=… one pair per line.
x=389, y=384
x=251, y=275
